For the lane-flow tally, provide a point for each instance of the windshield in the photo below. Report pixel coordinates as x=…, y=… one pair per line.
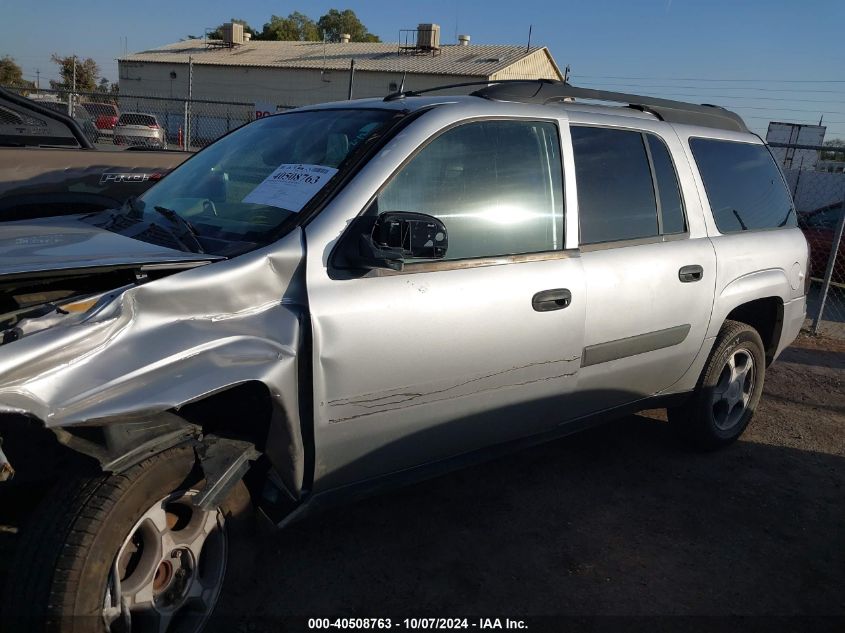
x=134, y=118
x=237, y=193
x=100, y=109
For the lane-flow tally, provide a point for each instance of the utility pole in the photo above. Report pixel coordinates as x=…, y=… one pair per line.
x=72, y=98
x=351, y=77
x=37, y=78
x=188, y=102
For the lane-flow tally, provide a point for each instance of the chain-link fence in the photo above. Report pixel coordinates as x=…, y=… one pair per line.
x=820, y=202
x=181, y=123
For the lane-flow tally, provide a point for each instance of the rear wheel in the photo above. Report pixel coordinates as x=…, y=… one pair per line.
x=728, y=391
x=126, y=552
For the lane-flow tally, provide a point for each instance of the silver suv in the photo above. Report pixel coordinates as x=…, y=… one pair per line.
x=340, y=297
x=139, y=129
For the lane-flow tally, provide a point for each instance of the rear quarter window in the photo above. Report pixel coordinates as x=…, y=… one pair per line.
x=744, y=186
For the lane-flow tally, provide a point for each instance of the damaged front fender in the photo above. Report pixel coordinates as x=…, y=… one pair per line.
x=170, y=342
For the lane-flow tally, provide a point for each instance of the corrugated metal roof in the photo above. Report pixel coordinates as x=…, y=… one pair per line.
x=474, y=60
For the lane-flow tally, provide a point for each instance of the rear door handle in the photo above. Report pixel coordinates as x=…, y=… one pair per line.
x=688, y=274
x=549, y=300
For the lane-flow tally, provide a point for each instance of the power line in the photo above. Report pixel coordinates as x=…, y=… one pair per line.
x=746, y=88
x=757, y=80
x=820, y=111
x=755, y=98
x=789, y=120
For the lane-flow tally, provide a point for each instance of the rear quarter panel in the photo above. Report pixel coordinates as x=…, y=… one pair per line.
x=749, y=265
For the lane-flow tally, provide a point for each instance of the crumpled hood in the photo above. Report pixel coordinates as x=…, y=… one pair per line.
x=64, y=243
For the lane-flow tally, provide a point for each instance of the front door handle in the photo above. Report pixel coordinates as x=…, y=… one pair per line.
x=549, y=300
x=688, y=274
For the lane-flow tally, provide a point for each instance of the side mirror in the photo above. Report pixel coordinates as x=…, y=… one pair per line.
x=399, y=235
x=218, y=186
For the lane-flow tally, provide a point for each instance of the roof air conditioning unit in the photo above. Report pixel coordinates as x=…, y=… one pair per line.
x=233, y=33
x=428, y=37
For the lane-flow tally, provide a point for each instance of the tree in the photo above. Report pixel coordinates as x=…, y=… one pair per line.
x=217, y=34
x=334, y=23
x=11, y=74
x=87, y=73
x=107, y=87
x=837, y=149
x=296, y=28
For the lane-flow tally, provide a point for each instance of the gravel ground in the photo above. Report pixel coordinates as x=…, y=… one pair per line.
x=620, y=520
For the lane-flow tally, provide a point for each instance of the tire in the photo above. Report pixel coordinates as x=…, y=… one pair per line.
x=61, y=578
x=726, y=396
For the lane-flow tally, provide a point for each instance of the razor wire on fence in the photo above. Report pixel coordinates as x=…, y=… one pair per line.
x=186, y=124
x=820, y=203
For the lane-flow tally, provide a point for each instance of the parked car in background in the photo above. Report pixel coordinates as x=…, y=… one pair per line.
x=86, y=122
x=819, y=226
x=139, y=129
x=80, y=115
x=49, y=166
x=105, y=117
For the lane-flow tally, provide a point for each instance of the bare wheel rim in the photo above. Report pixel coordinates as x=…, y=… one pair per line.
x=168, y=573
x=732, y=392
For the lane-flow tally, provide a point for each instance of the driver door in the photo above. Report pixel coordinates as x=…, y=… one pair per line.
x=457, y=354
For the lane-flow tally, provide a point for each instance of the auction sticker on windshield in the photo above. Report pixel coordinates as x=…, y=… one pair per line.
x=291, y=186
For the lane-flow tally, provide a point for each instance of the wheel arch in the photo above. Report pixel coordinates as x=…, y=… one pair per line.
x=246, y=413
x=766, y=316
x=756, y=299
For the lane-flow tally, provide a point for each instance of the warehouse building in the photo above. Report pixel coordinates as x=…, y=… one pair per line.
x=290, y=74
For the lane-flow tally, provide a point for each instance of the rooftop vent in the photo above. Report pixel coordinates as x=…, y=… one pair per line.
x=463, y=40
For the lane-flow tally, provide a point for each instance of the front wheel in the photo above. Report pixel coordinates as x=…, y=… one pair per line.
x=125, y=552
x=728, y=391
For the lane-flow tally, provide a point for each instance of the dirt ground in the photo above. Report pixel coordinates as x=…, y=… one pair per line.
x=621, y=520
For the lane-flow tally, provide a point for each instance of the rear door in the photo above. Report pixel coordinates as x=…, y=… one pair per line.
x=649, y=267
x=451, y=355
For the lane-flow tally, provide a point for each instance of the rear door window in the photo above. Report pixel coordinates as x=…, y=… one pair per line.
x=744, y=185
x=616, y=198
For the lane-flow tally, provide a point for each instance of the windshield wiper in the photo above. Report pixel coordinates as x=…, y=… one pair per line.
x=786, y=219
x=187, y=228
x=739, y=219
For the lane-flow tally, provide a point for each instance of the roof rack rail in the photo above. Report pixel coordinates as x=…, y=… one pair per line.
x=545, y=91
x=393, y=96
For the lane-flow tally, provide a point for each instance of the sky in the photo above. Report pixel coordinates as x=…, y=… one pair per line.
x=766, y=59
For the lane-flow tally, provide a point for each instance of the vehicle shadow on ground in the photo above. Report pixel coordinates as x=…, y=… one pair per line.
x=821, y=358
x=618, y=520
